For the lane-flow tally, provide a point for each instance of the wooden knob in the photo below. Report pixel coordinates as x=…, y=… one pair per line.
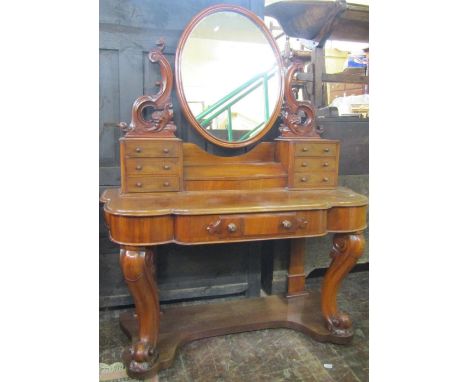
x=166, y=167
x=232, y=227
x=286, y=224
x=138, y=149
x=166, y=184
x=325, y=179
x=139, y=184
x=326, y=149
x=165, y=150
x=139, y=167
x=305, y=149
x=325, y=164
x=304, y=164
x=303, y=179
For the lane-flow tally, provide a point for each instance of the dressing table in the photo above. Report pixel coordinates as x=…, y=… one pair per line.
x=175, y=192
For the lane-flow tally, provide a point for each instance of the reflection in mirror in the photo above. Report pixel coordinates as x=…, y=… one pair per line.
x=230, y=76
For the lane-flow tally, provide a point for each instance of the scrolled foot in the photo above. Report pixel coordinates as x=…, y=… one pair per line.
x=340, y=325
x=141, y=360
x=347, y=248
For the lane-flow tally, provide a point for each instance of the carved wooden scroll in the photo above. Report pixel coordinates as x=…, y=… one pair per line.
x=160, y=123
x=298, y=116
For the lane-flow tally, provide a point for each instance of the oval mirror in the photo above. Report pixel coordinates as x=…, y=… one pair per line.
x=228, y=76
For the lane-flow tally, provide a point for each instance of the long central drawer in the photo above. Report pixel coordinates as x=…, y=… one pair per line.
x=235, y=227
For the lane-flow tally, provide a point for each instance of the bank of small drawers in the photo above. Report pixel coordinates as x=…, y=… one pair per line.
x=152, y=165
x=315, y=165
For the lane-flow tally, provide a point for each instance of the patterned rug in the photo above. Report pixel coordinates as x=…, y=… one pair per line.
x=116, y=373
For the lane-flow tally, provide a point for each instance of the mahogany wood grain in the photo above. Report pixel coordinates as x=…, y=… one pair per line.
x=347, y=248
x=236, y=184
x=163, y=166
x=296, y=273
x=194, y=155
x=138, y=270
x=139, y=147
x=180, y=325
x=294, y=125
x=316, y=180
x=193, y=229
x=142, y=230
x=314, y=164
x=151, y=165
x=342, y=219
x=146, y=183
x=317, y=148
x=247, y=227
x=215, y=202
x=174, y=192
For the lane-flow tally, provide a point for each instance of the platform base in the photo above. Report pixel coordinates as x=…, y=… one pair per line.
x=180, y=325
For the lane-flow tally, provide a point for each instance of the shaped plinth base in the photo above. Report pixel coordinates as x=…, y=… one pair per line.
x=180, y=325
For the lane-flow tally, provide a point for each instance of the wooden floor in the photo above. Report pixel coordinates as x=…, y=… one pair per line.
x=265, y=355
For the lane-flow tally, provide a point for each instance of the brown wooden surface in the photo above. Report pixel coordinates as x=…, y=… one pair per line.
x=160, y=123
x=151, y=165
x=180, y=87
x=294, y=126
x=347, y=248
x=296, y=275
x=195, y=156
x=138, y=269
x=215, y=202
x=180, y=325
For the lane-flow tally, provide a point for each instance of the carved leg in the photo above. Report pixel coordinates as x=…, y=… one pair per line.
x=296, y=275
x=138, y=270
x=347, y=248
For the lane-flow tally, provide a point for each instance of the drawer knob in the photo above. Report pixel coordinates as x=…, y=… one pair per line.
x=304, y=164
x=326, y=149
x=325, y=164
x=286, y=224
x=166, y=167
x=325, y=179
x=139, y=167
x=165, y=150
x=305, y=149
x=138, y=149
x=303, y=179
x=139, y=184
x=166, y=184
x=232, y=227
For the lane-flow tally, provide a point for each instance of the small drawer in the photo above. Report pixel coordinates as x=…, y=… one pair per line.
x=305, y=164
x=137, y=166
x=310, y=149
x=161, y=149
x=318, y=180
x=152, y=183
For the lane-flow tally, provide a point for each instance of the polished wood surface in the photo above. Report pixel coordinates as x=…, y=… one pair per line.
x=296, y=275
x=347, y=248
x=160, y=123
x=180, y=87
x=151, y=165
x=138, y=270
x=294, y=126
x=174, y=192
x=180, y=325
x=228, y=201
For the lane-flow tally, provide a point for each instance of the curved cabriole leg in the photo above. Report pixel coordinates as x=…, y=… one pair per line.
x=347, y=248
x=138, y=270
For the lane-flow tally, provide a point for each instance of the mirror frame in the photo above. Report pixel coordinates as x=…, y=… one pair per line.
x=180, y=88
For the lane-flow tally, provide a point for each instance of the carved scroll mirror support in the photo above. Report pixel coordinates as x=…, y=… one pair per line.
x=160, y=123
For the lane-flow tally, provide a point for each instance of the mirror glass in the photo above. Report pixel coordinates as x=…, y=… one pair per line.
x=230, y=76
